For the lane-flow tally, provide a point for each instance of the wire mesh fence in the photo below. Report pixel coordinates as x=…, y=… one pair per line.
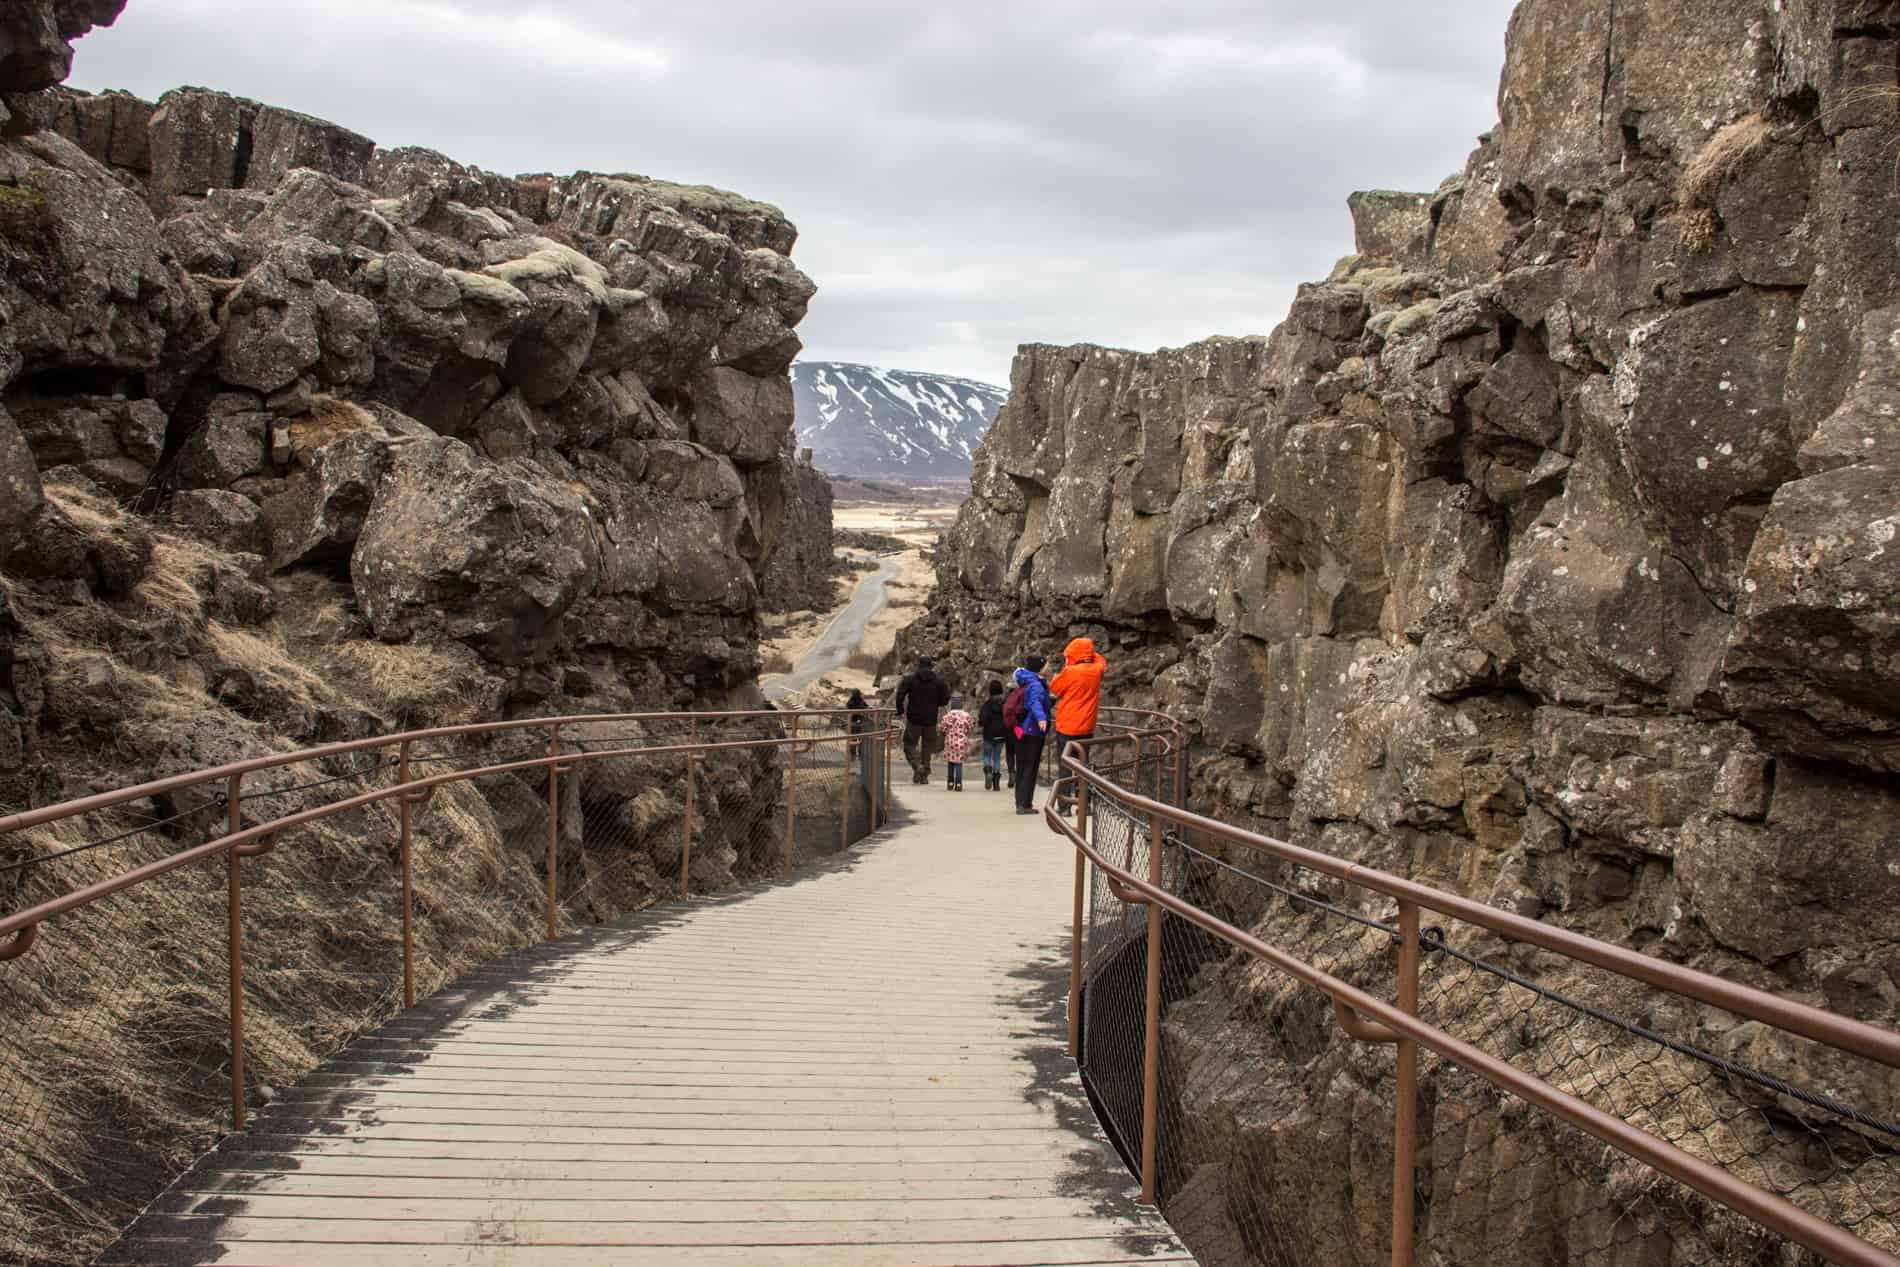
x=1274, y=1127
x=1779, y=1112
x=116, y=1026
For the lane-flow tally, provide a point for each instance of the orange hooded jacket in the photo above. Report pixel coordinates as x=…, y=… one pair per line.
x=1078, y=688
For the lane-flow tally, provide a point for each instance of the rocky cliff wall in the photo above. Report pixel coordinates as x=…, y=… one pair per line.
x=1545, y=551
x=542, y=419
x=303, y=440
x=799, y=577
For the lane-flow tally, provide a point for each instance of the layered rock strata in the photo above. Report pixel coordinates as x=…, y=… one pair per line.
x=799, y=577
x=303, y=440
x=1545, y=551
x=545, y=419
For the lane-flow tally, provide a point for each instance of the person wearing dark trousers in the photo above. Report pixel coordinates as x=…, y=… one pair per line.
x=860, y=710
x=1077, y=691
x=1012, y=728
x=1033, y=732
x=995, y=732
x=920, y=697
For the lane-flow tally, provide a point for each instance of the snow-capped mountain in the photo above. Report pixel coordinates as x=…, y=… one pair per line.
x=862, y=421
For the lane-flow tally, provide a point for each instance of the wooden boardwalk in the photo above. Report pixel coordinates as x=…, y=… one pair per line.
x=863, y=1066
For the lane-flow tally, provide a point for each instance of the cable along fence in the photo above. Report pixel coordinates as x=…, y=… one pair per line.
x=1381, y=1073
x=168, y=950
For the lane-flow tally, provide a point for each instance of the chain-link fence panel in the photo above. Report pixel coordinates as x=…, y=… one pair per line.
x=1778, y=1112
x=1274, y=1118
x=116, y=1027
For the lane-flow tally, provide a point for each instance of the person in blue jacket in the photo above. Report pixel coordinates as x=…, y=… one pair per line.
x=1033, y=732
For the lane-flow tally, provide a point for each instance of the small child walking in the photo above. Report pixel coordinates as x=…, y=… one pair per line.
x=955, y=726
x=995, y=728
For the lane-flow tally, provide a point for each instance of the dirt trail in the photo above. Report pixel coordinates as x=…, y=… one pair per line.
x=841, y=637
x=841, y=649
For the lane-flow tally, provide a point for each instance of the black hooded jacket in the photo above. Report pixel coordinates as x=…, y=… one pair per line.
x=921, y=696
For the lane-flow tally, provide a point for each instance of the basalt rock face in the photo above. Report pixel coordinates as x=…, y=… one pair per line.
x=303, y=441
x=799, y=578
x=546, y=418
x=1546, y=551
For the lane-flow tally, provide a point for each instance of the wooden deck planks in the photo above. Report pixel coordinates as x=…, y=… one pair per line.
x=862, y=1067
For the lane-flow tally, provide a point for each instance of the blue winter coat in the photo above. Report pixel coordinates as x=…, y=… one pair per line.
x=1035, y=703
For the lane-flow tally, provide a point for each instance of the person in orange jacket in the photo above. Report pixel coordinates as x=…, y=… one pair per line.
x=1078, y=693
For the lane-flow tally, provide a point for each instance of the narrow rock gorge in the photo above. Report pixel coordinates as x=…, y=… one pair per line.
x=1545, y=552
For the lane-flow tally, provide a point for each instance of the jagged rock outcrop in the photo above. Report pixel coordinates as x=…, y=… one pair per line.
x=1545, y=551
x=270, y=307
x=302, y=440
x=799, y=578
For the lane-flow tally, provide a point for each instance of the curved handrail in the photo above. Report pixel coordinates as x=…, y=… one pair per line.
x=410, y=790
x=1366, y=1018
x=178, y=782
x=1764, y=1207
x=1806, y=1020
x=52, y=908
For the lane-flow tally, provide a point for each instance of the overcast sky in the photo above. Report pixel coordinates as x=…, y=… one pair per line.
x=965, y=176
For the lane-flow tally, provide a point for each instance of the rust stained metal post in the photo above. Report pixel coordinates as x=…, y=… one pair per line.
x=233, y=867
x=1151, y=1046
x=1405, y=1122
x=1180, y=766
x=554, y=828
x=686, y=825
x=404, y=806
x=870, y=757
x=1075, y=927
x=791, y=793
x=844, y=797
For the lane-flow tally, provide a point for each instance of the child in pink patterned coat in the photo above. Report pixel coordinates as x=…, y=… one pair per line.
x=955, y=727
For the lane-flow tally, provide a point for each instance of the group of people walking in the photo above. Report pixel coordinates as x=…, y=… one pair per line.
x=1014, y=723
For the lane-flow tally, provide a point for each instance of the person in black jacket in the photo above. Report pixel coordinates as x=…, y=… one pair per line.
x=995, y=730
x=860, y=720
x=920, y=697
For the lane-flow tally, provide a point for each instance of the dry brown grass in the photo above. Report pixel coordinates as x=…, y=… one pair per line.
x=1726, y=153
x=91, y=514
x=329, y=420
x=171, y=582
x=265, y=656
x=412, y=683
x=1722, y=158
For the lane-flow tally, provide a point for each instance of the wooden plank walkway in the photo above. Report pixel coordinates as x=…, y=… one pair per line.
x=861, y=1066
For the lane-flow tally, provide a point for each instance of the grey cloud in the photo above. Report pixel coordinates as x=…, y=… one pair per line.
x=966, y=178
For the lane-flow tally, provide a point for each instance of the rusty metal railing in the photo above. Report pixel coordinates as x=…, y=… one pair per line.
x=1545, y=1097
x=609, y=792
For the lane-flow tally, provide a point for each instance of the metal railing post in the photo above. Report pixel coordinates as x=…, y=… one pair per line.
x=1180, y=766
x=844, y=798
x=1151, y=1046
x=868, y=755
x=1075, y=923
x=686, y=826
x=554, y=826
x=1405, y=1119
x=791, y=792
x=403, y=808
x=233, y=865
